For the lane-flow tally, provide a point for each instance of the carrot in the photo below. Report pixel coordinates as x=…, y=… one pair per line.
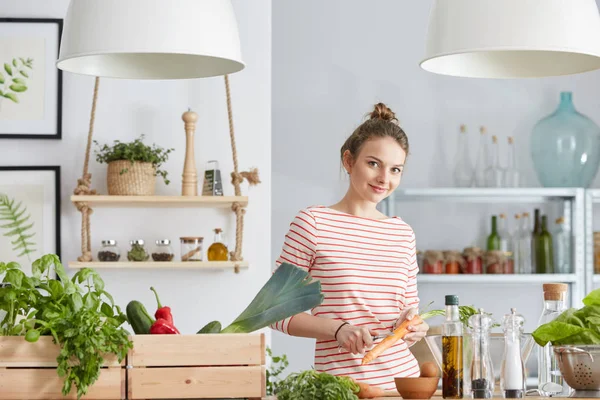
x=368, y=392
x=386, y=343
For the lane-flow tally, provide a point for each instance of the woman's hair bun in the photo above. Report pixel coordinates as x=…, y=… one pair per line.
x=381, y=111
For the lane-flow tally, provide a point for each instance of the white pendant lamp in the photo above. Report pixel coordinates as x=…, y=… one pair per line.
x=512, y=38
x=150, y=39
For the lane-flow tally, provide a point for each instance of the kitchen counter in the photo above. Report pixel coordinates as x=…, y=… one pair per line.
x=393, y=395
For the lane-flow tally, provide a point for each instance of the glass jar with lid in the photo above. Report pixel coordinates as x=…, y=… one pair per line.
x=162, y=250
x=138, y=251
x=109, y=252
x=191, y=248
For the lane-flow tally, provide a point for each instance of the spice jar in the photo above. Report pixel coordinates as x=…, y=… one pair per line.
x=473, y=257
x=163, y=251
x=191, y=248
x=109, y=251
x=454, y=262
x=509, y=265
x=137, y=251
x=433, y=262
x=495, y=262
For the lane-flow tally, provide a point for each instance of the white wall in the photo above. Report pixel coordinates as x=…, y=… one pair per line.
x=331, y=62
x=129, y=108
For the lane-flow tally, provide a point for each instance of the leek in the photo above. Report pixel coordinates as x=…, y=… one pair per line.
x=288, y=292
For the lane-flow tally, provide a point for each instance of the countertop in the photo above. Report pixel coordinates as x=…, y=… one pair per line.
x=393, y=395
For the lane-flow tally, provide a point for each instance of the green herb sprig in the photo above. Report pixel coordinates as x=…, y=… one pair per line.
x=277, y=366
x=134, y=151
x=79, y=314
x=311, y=384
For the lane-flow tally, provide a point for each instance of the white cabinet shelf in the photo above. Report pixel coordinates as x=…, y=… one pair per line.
x=497, y=278
x=480, y=195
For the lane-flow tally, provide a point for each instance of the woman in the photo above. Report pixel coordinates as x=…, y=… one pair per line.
x=366, y=262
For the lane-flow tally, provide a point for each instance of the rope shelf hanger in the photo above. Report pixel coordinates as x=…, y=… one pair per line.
x=85, y=182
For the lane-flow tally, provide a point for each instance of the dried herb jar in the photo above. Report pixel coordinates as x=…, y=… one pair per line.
x=138, y=251
x=162, y=250
x=191, y=248
x=109, y=252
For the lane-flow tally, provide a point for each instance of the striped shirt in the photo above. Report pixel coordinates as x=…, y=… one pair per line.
x=367, y=270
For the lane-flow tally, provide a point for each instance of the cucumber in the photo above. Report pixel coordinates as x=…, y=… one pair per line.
x=211, y=327
x=138, y=318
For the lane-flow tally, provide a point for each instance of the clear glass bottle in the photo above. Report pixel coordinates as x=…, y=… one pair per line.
x=544, y=250
x=515, y=243
x=138, y=251
x=162, y=250
x=452, y=351
x=549, y=377
x=512, y=176
x=525, y=240
x=109, y=252
x=506, y=244
x=494, y=174
x=482, y=370
x=218, y=250
x=562, y=247
x=512, y=372
x=463, y=168
x=481, y=163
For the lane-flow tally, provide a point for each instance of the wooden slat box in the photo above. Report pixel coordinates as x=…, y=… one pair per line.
x=28, y=372
x=196, y=366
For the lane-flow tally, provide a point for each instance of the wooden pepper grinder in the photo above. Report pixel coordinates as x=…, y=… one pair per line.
x=189, y=186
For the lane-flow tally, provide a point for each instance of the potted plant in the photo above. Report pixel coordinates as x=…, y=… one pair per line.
x=132, y=167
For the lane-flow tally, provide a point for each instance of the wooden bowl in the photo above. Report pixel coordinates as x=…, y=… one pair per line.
x=416, y=388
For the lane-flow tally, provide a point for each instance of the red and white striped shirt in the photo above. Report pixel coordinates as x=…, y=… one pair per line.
x=367, y=270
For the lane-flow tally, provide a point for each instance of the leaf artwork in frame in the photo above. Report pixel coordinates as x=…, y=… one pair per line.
x=14, y=84
x=16, y=221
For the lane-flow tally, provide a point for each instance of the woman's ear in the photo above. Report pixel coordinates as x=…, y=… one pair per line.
x=348, y=161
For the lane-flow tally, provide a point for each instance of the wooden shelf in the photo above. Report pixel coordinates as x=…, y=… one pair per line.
x=161, y=201
x=161, y=264
x=496, y=278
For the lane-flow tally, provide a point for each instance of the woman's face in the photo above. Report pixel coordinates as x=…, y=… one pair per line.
x=377, y=169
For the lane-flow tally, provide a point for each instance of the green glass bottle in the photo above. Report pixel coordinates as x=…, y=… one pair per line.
x=544, y=254
x=537, y=230
x=493, y=240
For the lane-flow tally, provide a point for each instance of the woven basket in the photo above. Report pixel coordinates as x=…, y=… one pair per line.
x=138, y=180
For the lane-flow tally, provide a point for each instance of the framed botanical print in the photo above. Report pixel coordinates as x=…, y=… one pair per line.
x=29, y=213
x=30, y=82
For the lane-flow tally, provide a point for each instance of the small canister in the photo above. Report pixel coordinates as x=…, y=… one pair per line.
x=109, y=251
x=434, y=262
x=454, y=262
x=162, y=250
x=473, y=260
x=138, y=251
x=191, y=248
x=495, y=262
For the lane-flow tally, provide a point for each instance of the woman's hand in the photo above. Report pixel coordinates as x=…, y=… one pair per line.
x=416, y=332
x=355, y=339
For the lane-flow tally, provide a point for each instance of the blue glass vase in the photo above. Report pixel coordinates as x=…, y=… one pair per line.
x=565, y=147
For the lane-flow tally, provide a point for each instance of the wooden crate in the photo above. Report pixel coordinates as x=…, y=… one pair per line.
x=196, y=366
x=28, y=372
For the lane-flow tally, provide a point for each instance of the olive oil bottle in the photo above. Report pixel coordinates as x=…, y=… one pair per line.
x=218, y=251
x=452, y=351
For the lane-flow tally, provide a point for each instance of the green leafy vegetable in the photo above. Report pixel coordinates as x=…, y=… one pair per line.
x=288, y=292
x=311, y=384
x=79, y=315
x=573, y=326
x=464, y=313
x=276, y=367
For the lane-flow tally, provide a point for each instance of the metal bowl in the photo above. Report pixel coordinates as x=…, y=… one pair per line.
x=580, y=367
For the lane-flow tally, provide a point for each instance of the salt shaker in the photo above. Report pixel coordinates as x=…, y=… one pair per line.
x=512, y=375
x=482, y=370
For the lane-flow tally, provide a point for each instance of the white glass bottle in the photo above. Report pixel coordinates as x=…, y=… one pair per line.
x=515, y=243
x=494, y=174
x=463, y=168
x=562, y=247
x=512, y=371
x=512, y=175
x=550, y=380
x=482, y=159
x=525, y=256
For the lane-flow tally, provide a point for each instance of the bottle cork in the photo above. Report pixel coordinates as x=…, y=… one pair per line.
x=555, y=291
x=463, y=128
x=560, y=220
x=482, y=130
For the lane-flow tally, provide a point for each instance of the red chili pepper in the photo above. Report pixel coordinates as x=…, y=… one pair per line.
x=162, y=312
x=163, y=327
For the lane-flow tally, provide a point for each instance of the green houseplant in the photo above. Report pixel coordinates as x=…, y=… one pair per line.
x=133, y=166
